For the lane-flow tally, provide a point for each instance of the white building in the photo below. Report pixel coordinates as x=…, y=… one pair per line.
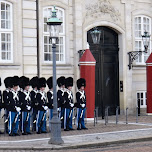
x=25, y=48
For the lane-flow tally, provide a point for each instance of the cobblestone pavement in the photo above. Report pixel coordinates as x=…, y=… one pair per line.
x=131, y=147
x=144, y=122
x=99, y=128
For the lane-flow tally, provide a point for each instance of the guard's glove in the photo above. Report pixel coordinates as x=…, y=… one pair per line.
x=83, y=105
x=58, y=109
x=18, y=109
x=45, y=108
x=71, y=105
x=28, y=107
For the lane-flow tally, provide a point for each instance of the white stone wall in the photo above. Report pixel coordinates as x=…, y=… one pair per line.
x=78, y=21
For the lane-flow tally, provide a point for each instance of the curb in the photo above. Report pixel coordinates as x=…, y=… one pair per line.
x=86, y=145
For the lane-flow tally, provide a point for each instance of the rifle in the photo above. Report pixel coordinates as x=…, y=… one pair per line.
x=6, y=118
x=68, y=120
x=14, y=122
x=34, y=123
x=26, y=122
x=42, y=120
x=80, y=118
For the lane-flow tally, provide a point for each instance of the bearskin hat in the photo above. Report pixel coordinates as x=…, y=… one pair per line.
x=50, y=82
x=69, y=82
x=7, y=82
x=61, y=81
x=14, y=81
x=81, y=82
x=34, y=82
x=42, y=82
x=23, y=82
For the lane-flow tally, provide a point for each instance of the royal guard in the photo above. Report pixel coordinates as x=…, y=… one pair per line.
x=81, y=103
x=68, y=104
x=42, y=107
x=50, y=99
x=7, y=82
x=14, y=107
x=25, y=102
x=60, y=98
x=34, y=84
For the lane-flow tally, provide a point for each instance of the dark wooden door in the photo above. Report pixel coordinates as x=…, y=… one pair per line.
x=107, y=70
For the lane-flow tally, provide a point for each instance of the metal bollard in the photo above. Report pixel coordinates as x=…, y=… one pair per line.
x=137, y=115
x=117, y=109
x=86, y=116
x=105, y=116
x=97, y=115
x=94, y=116
x=126, y=115
x=107, y=113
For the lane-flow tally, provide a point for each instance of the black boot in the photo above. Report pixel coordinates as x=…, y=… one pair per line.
x=39, y=131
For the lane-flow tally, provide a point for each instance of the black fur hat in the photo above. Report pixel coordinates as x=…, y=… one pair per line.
x=23, y=82
x=50, y=82
x=81, y=82
x=34, y=82
x=68, y=82
x=61, y=81
x=7, y=82
x=42, y=82
x=14, y=81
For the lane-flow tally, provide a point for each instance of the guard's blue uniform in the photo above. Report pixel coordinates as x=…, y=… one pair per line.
x=13, y=100
x=50, y=106
x=25, y=101
x=68, y=110
x=81, y=108
x=41, y=117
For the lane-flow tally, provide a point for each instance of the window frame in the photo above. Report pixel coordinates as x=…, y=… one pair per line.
x=10, y=31
x=144, y=98
x=63, y=35
x=139, y=39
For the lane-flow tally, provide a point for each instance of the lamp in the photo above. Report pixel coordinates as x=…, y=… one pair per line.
x=54, y=28
x=133, y=55
x=95, y=34
x=146, y=40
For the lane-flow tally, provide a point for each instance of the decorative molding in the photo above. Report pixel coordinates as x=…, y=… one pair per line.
x=102, y=7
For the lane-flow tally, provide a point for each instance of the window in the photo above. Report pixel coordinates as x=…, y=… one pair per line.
x=142, y=24
x=6, y=33
x=60, y=47
x=142, y=97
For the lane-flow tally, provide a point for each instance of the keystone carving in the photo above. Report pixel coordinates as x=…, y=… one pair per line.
x=102, y=7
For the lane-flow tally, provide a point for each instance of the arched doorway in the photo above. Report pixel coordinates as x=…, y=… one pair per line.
x=107, y=70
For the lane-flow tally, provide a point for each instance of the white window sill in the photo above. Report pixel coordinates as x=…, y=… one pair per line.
x=9, y=65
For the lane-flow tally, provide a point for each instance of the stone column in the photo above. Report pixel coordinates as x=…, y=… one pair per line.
x=87, y=71
x=29, y=38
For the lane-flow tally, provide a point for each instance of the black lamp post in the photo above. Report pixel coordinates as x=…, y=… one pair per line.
x=54, y=28
x=133, y=55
